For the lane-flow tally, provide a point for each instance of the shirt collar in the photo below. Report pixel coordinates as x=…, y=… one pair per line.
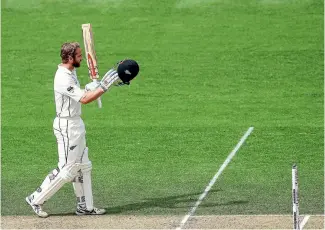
x=66, y=70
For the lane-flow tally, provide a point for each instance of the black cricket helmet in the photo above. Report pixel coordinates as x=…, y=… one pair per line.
x=127, y=70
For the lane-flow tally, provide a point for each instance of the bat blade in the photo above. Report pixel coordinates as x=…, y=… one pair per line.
x=92, y=68
x=90, y=54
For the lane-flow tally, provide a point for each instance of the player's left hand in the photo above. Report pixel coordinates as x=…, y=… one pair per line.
x=109, y=79
x=122, y=75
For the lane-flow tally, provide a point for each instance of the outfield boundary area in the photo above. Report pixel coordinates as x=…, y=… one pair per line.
x=158, y=222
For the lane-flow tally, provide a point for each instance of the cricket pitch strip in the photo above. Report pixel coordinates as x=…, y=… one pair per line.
x=158, y=222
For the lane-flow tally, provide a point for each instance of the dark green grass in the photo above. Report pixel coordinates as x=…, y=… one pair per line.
x=208, y=72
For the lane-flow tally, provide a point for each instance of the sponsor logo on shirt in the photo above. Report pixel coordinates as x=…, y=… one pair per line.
x=70, y=89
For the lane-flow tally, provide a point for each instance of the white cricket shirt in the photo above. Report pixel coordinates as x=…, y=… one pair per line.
x=67, y=93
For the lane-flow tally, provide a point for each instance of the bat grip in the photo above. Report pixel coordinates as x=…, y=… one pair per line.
x=99, y=100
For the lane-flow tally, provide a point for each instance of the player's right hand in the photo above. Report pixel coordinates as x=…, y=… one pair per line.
x=92, y=86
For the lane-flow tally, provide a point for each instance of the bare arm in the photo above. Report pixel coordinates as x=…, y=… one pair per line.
x=90, y=96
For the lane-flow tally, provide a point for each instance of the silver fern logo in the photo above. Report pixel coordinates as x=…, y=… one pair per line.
x=127, y=72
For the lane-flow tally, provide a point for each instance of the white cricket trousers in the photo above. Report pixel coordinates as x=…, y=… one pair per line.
x=71, y=138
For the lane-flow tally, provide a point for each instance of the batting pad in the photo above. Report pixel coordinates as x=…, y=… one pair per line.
x=48, y=191
x=79, y=191
x=53, y=182
x=88, y=191
x=83, y=188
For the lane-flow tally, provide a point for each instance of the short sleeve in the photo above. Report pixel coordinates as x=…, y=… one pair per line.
x=68, y=87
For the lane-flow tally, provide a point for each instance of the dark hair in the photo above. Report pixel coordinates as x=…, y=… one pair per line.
x=68, y=49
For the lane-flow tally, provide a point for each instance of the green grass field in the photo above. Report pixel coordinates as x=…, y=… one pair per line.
x=210, y=69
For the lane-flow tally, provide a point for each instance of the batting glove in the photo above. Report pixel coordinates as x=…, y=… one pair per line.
x=92, y=86
x=109, y=79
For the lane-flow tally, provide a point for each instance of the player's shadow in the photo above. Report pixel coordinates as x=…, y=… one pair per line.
x=179, y=201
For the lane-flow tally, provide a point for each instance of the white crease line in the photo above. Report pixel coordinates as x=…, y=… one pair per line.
x=251, y=215
x=207, y=189
x=304, y=221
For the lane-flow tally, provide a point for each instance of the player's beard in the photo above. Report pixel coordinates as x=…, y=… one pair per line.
x=75, y=63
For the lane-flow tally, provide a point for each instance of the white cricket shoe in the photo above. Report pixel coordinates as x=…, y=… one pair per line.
x=37, y=208
x=95, y=211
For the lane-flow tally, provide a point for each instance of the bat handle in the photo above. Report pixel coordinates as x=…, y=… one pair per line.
x=99, y=100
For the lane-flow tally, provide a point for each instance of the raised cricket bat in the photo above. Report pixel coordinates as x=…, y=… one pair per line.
x=88, y=38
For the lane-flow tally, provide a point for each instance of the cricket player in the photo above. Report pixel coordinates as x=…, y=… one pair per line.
x=74, y=164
